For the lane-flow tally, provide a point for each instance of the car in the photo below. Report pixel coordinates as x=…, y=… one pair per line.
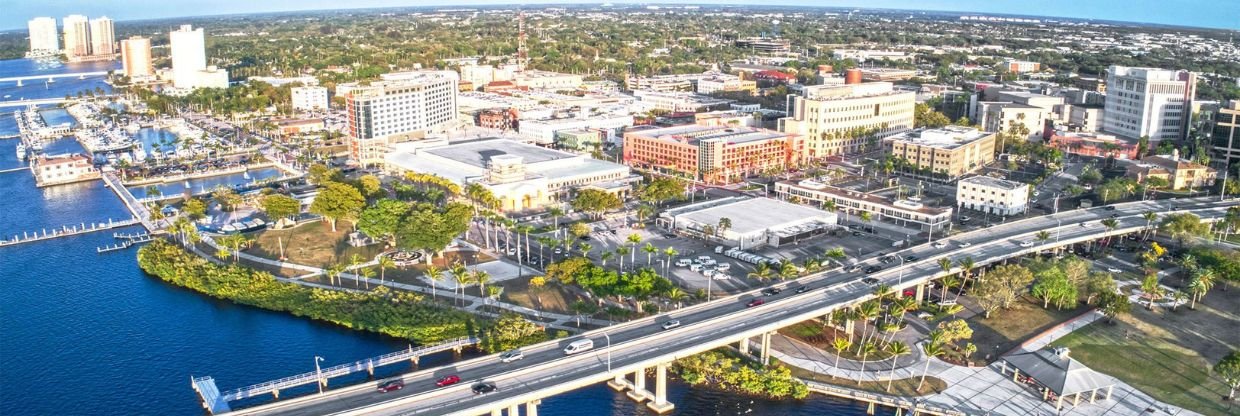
x=391, y=385
x=1114, y=215
x=671, y=324
x=755, y=302
x=448, y=380
x=964, y=218
x=771, y=291
x=718, y=249
x=558, y=250
x=703, y=258
x=802, y=289
x=484, y=387
x=870, y=281
x=1110, y=208
x=613, y=232
x=723, y=267
x=872, y=269
x=1026, y=244
x=939, y=244
x=683, y=262
x=856, y=233
x=910, y=258
x=852, y=268
x=708, y=272
x=585, y=238
x=964, y=244
x=512, y=251
x=511, y=356
x=1114, y=270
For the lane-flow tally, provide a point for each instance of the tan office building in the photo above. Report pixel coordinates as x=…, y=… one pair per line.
x=136, y=57
x=831, y=116
x=949, y=152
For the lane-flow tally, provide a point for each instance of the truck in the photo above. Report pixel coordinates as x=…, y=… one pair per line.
x=578, y=346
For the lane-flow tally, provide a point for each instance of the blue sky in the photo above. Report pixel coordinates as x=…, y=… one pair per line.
x=1204, y=13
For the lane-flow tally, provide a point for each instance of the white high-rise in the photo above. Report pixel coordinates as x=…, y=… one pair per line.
x=43, y=36
x=102, y=37
x=189, y=61
x=1149, y=102
x=77, y=36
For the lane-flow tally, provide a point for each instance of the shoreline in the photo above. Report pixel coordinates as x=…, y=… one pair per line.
x=200, y=175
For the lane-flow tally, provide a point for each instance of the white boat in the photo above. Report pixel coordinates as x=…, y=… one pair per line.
x=21, y=151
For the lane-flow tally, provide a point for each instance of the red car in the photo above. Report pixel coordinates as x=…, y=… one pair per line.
x=391, y=385
x=755, y=302
x=448, y=380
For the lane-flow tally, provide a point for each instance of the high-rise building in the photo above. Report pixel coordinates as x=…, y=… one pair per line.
x=102, y=37
x=1149, y=102
x=136, y=57
x=43, y=37
x=309, y=98
x=400, y=104
x=1226, y=134
x=839, y=119
x=945, y=153
x=189, y=61
x=77, y=36
x=715, y=154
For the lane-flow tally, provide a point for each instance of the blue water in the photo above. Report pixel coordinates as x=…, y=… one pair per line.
x=89, y=334
x=207, y=184
x=153, y=139
x=38, y=89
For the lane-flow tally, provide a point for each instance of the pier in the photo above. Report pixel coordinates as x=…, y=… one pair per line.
x=65, y=231
x=216, y=401
x=129, y=241
x=135, y=206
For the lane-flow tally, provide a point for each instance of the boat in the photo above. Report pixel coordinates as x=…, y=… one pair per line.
x=21, y=151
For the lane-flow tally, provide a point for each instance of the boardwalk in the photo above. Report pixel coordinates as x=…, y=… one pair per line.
x=65, y=231
x=133, y=204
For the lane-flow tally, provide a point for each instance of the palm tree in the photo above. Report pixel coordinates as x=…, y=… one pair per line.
x=670, y=252
x=585, y=249
x=864, y=313
x=1152, y=289
x=1043, y=236
x=1177, y=297
x=633, y=239
x=840, y=344
x=896, y=349
x=787, y=270
x=947, y=281
x=1150, y=217
x=355, y=260
x=620, y=253
x=865, y=217
x=460, y=274
x=386, y=262
x=650, y=249
x=332, y=272
x=724, y=224
x=932, y=349
x=606, y=255
x=761, y=272
x=481, y=278
x=676, y=294
x=432, y=273
x=365, y=274
x=1196, y=288
x=556, y=213
x=966, y=267
x=969, y=349
x=1111, y=224
x=865, y=349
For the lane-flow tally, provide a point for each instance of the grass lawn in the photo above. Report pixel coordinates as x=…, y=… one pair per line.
x=812, y=332
x=1166, y=354
x=905, y=387
x=312, y=244
x=550, y=298
x=1007, y=329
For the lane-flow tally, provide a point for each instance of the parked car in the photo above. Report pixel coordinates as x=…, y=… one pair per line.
x=671, y=324
x=448, y=380
x=484, y=387
x=391, y=385
x=723, y=267
x=511, y=356
x=683, y=262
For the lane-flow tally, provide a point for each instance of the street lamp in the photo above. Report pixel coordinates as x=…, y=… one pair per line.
x=608, y=351
x=318, y=373
x=901, y=283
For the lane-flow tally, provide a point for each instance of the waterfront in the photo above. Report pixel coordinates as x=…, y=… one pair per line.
x=89, y=334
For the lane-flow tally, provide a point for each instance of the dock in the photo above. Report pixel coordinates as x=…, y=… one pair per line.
x=135, y=206
x=127, y=243
x=216, y=401
x=65, y=231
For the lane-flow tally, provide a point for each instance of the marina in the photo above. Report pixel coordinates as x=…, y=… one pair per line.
x=66, y=231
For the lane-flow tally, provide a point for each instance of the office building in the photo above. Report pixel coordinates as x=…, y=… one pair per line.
x=900, y=212
x=1009, y=116
x=1226, y=134
x=1016, y=66
x=781, y=222
x=1086, y=117
x=543, y=131
x=1098, y=85
x=77, y=36
x=1180, y=173
x=309, y=98
x=189, y=61
x=545, y=80
x=400, y=106
x=724, y=83
x=1149, y=102
x=992, y=195
x=44, y=40
x=767, y=45
x=678, y=101
x=1093, y=145
x=521, y=176
x=866, y=55
x=839, y=119
x=102, y=37
x=947, y=153
x=886, y=74
x=136, y=57
x=714, y=154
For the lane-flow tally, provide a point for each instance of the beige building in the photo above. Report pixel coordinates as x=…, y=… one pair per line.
x=1179, y=173
x=903, y=212
x=403, y=106
x=56, y=170
x=949, y=152
x=830, y=117
x=713, y=153
x=992, y=195
x=546, y=80
x=1006, y=116
x=136, y=57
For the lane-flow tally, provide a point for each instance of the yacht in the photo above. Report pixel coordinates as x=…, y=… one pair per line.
x=21, y=151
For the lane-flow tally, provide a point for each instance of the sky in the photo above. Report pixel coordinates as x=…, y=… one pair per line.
x=1203, y=13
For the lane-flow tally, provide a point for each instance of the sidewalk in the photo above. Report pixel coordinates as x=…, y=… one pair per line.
x=983, y=390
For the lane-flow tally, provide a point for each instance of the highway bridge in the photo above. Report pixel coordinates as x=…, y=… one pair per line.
x=52, y=77
x=27, y=103
x=630, y=349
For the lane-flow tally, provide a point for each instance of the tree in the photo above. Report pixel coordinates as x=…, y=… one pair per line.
x=194, y=208
x=431, y=228
x=762, y=271
x=839, y=344
x=321, y=174
x=578, y=230
x=1002, y=287
x=1098, y=283
x=278, y=207
x=649, y=249
x=1052, y=285
x=1152, y=289
x=555, y=214
x=386, y=262
x=1182, y=226
x=338, y=201
x=866, y=349
x=724, y=224
x=1228, y=368
x=382, y=220
x=369, y=185
x=1113, y=304
x=226, y=197
x=661, y=189
x=932, y=349
x=595, y=201
x=896, y=349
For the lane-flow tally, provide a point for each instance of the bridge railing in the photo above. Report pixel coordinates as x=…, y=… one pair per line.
x=342, y=369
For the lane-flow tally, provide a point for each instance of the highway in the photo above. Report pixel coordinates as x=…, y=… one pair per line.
x=546, y=371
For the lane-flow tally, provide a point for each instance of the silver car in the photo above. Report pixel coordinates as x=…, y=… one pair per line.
x=511, y=356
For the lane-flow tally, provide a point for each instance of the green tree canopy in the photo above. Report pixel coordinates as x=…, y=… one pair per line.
x=595, y=201
x=338, y=201
x=278, y=206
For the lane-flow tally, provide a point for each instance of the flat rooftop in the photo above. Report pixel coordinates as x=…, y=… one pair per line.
x=693, y=134
x=752, y=215
x=993, y=182
x=947, y=137
x=478, y=152
x=867, y=197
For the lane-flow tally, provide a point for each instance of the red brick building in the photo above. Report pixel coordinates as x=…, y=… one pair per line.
x=714, y=154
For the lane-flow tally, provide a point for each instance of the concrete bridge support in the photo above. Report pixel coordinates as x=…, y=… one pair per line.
x=660, y=403
x=744, y=347
x=531, y=408
x=765, y=355
x=639, y=393
x=920, y=294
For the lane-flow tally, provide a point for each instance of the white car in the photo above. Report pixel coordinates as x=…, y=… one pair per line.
x=708, y=272
x=723, y=267
x=964, y=244
x=671, y=324
x=1114, y=270
x=683, y=262
x=511, y=356
x=939, y=244
x=703, y=258
x=1026, y=244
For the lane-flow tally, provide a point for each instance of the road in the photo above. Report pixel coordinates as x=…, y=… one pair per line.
x=637, y=344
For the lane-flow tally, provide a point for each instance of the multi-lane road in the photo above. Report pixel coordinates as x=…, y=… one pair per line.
x=626, y=347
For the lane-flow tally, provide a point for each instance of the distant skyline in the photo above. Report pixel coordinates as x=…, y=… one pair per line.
x=1224, y=14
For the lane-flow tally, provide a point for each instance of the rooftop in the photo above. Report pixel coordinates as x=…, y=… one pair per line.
x=693, y=134
x=993, y=182
x=775, y=214
x=904, y=205
x=1054, y=369
x=478, y=152
x=947, y=137
x=843, y=92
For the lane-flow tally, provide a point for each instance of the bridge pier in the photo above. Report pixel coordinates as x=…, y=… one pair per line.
x=920, y=293
x=849, y=325
x=514, y=410
x=765, y=355
x=639, y=393
x=497, y=412
x=531, y=408
x=660, y=404
x=275, y=394
x=619, y=383
x=744, y=347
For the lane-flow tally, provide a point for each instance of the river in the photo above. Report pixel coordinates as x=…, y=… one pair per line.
x=91, y=334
